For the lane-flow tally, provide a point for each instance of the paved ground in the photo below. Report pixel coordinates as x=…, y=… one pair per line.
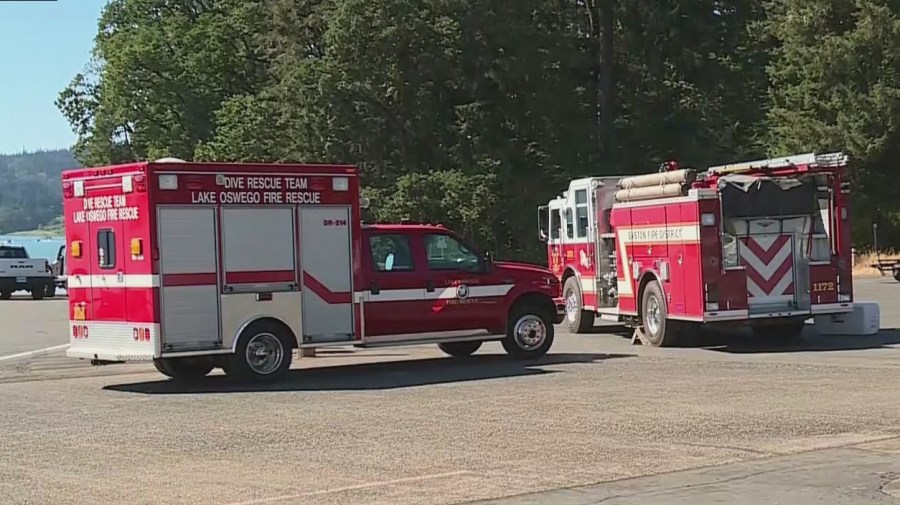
x=597, y=421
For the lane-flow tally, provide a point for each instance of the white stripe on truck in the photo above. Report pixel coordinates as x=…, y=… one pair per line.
x=385, y=295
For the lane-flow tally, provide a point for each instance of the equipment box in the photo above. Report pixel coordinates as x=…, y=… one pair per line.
x=863, y=320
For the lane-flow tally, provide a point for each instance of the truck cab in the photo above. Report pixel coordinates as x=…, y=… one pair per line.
x=433, y=284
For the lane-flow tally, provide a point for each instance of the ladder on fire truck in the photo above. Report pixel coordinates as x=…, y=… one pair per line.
x=810, y=159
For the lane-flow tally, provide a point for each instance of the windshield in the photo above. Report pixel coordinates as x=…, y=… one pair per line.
x=7, y=252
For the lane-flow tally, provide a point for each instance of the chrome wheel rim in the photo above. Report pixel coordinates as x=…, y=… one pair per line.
x=571, y=307
x=530, y=332
x=264, y=353
x=652, y=319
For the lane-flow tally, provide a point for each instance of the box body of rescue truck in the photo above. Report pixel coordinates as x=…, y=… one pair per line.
x=765, y=243
x=204, y=265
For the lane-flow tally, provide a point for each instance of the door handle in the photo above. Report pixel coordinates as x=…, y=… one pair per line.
x=429, y=286
x=374, y=288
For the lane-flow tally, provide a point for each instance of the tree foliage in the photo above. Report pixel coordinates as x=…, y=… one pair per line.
x=474, y=113
x=31, y=194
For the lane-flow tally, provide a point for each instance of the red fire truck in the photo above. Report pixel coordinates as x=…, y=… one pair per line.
x=204, y=265
x=764, y=243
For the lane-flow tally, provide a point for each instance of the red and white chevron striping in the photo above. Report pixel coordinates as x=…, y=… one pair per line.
x=769, y=265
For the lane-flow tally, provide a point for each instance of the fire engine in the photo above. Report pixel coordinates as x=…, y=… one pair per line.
x=763, y=243
x=202, y=265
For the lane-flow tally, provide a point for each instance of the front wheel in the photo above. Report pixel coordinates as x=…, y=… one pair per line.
x=657, y=329
x=460, y=349
x=264, y=351
x=529, y=333
x=184, y=368
x=578, y=320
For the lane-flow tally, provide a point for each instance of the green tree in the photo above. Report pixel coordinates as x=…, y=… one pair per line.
x=835, y=85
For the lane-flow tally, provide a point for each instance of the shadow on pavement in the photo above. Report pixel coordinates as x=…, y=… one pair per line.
x=373, y=376
x=810, y=341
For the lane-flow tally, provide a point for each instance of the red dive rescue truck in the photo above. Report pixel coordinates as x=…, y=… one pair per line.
x=765, y=243
x=204, y=265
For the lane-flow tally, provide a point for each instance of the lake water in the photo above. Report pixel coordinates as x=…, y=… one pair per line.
x=38, y=247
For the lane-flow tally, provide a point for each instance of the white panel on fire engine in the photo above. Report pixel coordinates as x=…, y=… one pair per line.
x=259, y=249
x=190, y=306
x=325, y=255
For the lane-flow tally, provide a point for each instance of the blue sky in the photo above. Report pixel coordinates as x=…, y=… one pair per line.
x=42, y=46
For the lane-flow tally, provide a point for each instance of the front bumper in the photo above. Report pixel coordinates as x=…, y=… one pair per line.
x=560, y=304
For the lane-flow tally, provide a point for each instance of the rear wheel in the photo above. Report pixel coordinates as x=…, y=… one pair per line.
x=657, y=330
x=37, y=292
x=51, y=290
x=264, y=351
x=460, y=349
x=529, y=333
x=578, y=320
x=184, y=368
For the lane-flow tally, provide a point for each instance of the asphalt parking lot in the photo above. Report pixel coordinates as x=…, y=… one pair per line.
x=598, y=420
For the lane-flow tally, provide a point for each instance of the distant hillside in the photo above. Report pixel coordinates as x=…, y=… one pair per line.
x=30, y=189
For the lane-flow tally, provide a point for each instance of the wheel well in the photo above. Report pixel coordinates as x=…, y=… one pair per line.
x=645, y=279
x=566, y=275
x=534, y=299
x=268, y=320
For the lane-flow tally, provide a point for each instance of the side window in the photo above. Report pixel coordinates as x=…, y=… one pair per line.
x=581, y=212
x=446, y=253
x=106, y=249
x=555, y=224
x=570, y=224
x=391, y=253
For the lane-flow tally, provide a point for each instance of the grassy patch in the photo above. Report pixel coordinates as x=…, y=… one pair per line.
x=862, y=267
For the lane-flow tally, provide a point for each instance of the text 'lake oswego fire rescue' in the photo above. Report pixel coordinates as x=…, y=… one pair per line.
x=259, y=189
x=99, y=209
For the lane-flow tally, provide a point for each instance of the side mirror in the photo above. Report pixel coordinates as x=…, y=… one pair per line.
x=488, y=260
x=542, y=236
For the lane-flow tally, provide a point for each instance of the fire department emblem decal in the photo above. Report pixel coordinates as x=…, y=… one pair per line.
x=462, y=291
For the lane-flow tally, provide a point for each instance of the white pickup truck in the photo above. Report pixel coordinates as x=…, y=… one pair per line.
x=19, y=272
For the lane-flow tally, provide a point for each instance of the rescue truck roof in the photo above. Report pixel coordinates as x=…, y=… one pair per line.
x=169, y=163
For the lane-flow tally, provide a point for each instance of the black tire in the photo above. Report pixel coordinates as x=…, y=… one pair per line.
x=51, y=290
x=781, y=331
x=460, y=349
x=264, y=351
x=897, y=274
x=529, y=332
x=577, y=319
x=5, y=295
x=37, y=292
x=656, y=329
x=192, y=368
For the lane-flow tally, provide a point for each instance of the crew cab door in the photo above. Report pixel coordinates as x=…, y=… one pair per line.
x=395, y=286
x=461, y=294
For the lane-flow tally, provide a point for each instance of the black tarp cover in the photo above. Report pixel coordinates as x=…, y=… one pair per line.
x=746, y=196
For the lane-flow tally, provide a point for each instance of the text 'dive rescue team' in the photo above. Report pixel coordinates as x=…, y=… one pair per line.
x=249, y=190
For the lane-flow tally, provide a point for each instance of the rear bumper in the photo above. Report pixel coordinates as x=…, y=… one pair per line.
x=112, y=340
x=744, y=314
x=23, y=283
